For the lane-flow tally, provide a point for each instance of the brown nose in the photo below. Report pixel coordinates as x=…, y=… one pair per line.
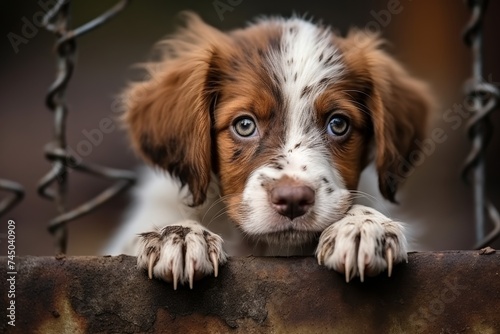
x=292, y=201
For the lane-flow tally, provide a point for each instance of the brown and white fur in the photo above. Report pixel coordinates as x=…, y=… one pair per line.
x=270, y=125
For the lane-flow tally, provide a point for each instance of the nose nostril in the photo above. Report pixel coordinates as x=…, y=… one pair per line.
x=305, y=202
x=280, y=201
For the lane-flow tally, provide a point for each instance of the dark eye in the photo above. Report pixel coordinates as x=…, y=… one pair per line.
x=245, y=126
x=338, y=125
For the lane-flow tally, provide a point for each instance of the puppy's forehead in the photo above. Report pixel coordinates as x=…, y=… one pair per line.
x=306, y=61
x=301, y=67
x=278, y=69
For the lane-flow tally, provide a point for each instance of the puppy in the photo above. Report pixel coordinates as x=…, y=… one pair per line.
x=271, y=126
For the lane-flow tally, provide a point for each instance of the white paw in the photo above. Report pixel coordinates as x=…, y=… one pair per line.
x=181, y=253
x=364, y=242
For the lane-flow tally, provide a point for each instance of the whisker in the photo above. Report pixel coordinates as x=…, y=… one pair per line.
x=221, y=213
x=371, y=198
x=216, y=202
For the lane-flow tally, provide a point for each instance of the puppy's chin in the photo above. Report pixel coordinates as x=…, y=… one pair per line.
x=288, y=238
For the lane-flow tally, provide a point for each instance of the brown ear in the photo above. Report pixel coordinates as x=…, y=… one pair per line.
x=399, y=106
x=168, y=115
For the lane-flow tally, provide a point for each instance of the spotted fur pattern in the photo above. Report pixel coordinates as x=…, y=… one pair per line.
x=181, y=253
x=363, y=243
x=302, y=67
x=289, y=77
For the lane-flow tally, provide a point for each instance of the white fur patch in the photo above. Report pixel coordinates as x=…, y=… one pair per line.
x=157, y=202
x=304, y=65
x=359, y=244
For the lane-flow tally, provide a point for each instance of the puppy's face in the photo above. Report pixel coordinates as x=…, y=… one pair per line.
x=285, y=113
x=291, y=136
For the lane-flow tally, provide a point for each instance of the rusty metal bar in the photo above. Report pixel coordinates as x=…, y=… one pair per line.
x=57, y=21
x=444, y=292
x=17, y=194
x=483, y=98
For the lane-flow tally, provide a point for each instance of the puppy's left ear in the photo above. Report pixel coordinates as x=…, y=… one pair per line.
x=399, y=106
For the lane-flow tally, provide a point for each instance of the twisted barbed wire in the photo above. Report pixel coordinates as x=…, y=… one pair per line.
x=17, y=194
x=57, y=21
x=483, y=98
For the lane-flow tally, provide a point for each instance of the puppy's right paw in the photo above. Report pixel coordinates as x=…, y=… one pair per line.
x=181, y=253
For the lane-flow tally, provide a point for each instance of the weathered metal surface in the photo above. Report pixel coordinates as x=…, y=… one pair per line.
x=449, y=292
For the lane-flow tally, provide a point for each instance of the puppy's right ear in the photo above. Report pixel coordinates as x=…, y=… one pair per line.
x=398, y=103
x=168, y=115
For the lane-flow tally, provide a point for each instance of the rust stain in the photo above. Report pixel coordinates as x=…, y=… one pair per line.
x=434, y=292
x=177, y=324
x=42, y=304
x=64, y=320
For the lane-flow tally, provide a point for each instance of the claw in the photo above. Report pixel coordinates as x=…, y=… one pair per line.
x=175, y=276
x=347, y=268
x=389, y=259
x=175, y=282
x=215, y=263
x=321, y=258
x=362, y=273
x=191, y=275
x=152, y=259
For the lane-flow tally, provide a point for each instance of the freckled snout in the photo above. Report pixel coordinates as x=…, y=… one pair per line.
x=292, y=200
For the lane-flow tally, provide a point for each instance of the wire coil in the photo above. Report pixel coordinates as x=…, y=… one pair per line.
x=53, y=185
x=483, y=97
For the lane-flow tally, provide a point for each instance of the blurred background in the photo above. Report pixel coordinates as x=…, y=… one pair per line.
x=425, y=35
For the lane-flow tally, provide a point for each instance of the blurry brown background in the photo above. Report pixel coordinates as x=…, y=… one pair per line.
x=425, y=35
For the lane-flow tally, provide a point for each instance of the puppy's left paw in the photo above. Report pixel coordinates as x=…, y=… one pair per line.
x=364, y=242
